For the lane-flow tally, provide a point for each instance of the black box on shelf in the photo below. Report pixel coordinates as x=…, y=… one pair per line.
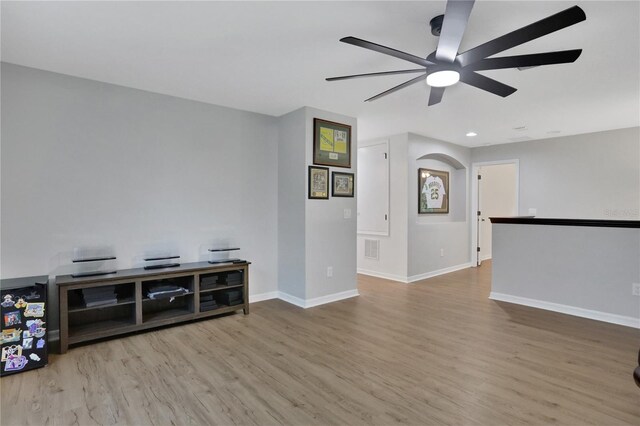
x=231, y=297
x=206, y=298
x=208, y=304
x=209, y=282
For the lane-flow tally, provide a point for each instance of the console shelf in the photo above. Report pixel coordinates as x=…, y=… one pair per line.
x=147, y=299
x=217, y=289
x=90, y=308
x=222, y=287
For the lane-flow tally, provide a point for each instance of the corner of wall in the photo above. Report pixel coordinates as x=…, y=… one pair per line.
x=291, y=203
x=438, y=243
x=330, y=237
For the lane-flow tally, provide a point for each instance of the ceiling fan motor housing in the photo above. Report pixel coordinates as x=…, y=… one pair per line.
x=436, y=25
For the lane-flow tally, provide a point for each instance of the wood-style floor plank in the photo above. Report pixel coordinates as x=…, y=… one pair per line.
x=434, y=352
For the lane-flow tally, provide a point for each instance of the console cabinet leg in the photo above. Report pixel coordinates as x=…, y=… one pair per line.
x=246, y=291
x=138, y=304
x=64, y=321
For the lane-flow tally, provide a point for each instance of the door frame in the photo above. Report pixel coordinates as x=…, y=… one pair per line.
x=474, y=201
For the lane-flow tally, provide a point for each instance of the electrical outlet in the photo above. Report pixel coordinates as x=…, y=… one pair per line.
x=441, y=252
x=329, y=271
x=635, y=289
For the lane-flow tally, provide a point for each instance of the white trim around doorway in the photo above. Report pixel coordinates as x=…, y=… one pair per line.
x=474, y=199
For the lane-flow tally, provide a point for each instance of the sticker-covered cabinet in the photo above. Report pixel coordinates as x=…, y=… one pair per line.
x=24, y=324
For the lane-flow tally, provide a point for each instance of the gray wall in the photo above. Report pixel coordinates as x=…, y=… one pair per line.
x=392, y=262
x=577, y=267
x=330, y=239
x=591, y=176
x=427, y=234
x=412, y=250
x=292, y=192
x=86, y=163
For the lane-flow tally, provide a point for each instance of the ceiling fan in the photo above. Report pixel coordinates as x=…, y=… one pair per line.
x=446, y=66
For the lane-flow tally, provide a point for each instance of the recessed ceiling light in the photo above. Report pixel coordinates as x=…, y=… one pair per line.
x=443, y=78
x=472, y=134
x=554, y=132
x=520, y=128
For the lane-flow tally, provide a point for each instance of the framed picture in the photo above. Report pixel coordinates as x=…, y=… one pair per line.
x=318, y=183
x=341, y=184
x=433, y=191
x=331, y=143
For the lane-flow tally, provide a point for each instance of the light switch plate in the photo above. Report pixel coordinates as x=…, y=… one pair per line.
x=347, y=213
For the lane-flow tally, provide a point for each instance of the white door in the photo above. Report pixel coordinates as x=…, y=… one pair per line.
x=497, y=197
x=373, y=189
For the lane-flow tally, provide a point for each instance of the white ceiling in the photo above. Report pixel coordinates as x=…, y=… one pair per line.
x=273, y=57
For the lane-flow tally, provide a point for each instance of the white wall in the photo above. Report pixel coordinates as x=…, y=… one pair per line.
x=412, y=249
x=428, y=234
x=584, y=271
x=393, y=248
x=87, y=163
x=585, y=176
x=589, y=176
x=576, y=270
x=497, y=198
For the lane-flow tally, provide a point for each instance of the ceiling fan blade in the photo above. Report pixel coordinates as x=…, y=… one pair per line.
x=386, y=50
x=485, y=83
x=556, y=22
x=398, y=87
x=454, y=24
x=435, y=95
x=534, y=60
x=373, y=74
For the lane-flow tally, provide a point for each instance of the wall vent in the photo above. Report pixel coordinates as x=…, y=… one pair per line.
x=372, y=249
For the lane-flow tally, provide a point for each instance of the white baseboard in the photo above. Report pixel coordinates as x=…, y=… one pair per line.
x=414, y=278
x=253, y=298
x=384, y=275
x=435, y=273
x=566, y=309
x=485, y=257
x=291, y=299
x=322, y=300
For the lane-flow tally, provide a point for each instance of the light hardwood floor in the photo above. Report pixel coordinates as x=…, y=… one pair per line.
x=435, y=352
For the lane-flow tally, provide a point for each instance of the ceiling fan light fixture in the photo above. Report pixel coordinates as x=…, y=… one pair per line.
x=443, y=78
